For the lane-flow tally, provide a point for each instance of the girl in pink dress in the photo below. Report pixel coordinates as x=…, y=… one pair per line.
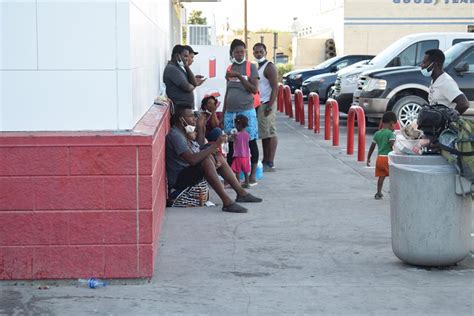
x=241, y=161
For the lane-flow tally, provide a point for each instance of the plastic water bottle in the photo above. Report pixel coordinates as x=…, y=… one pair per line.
x=259, y=172
x=224, y=147
x=93, y=283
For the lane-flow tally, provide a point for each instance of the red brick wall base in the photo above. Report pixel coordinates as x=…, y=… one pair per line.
x=83, y=204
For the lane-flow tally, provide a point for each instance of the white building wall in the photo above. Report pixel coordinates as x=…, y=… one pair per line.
x=80, y=65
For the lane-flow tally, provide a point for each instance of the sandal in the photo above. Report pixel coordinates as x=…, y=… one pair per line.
x=378, y=196
x=234, y=208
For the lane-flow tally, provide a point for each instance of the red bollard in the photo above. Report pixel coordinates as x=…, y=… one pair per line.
x=287, y=99
x=350, y=132
x=302, y=115
x=311, y=111
x=299, y=107
x=280, y=99
x=331, y=107
x=317, y=115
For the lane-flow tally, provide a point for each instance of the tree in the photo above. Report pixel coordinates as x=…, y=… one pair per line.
x=195, y=17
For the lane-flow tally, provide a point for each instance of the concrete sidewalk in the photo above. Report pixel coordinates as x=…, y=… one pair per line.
x=318, y=244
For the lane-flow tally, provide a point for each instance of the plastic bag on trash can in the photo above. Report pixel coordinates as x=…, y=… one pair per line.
x=404, y=145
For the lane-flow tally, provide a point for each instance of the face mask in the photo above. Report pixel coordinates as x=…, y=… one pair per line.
x=188, y=128
x=238, y=62
x=425, y=72
x=261, y=60
x=180, y=62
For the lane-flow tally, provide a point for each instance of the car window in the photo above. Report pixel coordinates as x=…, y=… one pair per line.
x=469, y=58
x=460, y=40
x=422, y=48
x=343, y=63
x=408, y=56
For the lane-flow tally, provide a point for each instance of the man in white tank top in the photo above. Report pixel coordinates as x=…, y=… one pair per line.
x=266, y=112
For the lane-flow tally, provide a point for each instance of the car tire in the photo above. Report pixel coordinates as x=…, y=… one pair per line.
x=407, y=109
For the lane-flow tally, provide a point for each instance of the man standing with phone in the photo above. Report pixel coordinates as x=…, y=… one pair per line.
x=179, y=79
x=199, y=78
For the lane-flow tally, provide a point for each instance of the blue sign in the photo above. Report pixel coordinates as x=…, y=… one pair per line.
x=433, y=1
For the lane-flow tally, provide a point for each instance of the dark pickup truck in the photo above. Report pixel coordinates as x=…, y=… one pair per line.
x=404, y=90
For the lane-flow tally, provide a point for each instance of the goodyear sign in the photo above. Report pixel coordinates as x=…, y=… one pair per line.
x=434, y=1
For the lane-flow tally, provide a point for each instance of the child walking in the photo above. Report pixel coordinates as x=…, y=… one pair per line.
x=384, y=139
x=241, y=161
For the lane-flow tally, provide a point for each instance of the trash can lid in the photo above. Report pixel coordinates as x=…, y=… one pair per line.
x=432, y=164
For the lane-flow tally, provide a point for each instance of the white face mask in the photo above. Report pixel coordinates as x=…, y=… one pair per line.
x=425, y=72
x=238, y=62
x=261, y=60
x=180, y=62
x=188, y=128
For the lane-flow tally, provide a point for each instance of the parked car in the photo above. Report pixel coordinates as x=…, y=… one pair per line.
x=407, y=51
x=323, y=84
x=404, y=90
x=295, y=78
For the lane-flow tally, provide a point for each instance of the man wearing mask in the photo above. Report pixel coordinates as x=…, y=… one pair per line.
x=188, y=161
x=179, y=79
x=268, y=87
x=443, y=89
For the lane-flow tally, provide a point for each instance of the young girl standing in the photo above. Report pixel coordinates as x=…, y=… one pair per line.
x=241, y=155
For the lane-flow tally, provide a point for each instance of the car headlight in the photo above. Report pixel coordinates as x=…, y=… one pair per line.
x=350, y=80
x=375, y=84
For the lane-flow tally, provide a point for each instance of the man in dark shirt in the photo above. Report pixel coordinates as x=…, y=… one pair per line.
x=179, y=79
x=188, y=161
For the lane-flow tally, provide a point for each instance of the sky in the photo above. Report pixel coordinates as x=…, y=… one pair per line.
x=262, y=14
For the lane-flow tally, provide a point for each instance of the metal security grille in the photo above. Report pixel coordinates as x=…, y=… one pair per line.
x=199, y=35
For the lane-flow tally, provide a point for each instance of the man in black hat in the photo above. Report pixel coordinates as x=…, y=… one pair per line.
x=179, y=79
x=199, y=79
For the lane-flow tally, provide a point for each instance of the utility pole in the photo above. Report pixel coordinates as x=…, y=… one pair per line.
x=275, y=46
x=245, y=23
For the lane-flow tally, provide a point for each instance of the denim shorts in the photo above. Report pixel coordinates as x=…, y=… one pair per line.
x=252, y=129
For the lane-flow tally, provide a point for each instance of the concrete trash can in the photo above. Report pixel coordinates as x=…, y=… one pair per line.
x=431, y=225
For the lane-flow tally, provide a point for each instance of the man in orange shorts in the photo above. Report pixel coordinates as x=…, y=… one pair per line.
x=384, y=139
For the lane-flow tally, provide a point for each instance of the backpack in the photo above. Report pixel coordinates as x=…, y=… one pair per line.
x=433, y=119
x=256, y=96
x=457, y=146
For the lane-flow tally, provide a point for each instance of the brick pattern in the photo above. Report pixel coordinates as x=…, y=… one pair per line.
x=76, y=205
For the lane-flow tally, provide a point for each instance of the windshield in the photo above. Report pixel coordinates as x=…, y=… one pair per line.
x=389, y=53
x=326, y=63
x=452, y=54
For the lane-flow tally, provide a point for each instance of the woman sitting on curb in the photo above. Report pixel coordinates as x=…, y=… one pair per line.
x=187, y=164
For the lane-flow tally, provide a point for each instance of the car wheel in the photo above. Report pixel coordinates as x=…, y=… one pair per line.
x=408, y=108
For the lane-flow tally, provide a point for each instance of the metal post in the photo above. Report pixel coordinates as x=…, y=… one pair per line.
x=245, y=23
x=275, y=46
